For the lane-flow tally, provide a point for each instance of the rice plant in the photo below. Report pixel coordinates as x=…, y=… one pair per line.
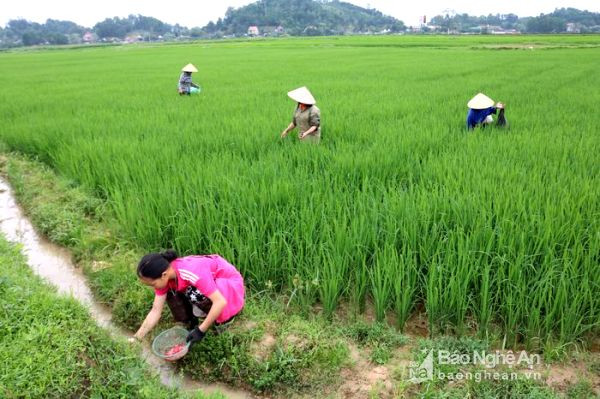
x=398, y=206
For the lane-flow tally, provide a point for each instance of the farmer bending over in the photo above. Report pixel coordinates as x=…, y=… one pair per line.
x=194, y=287
x=481, y=109
x=186, y=86
x=307, y=117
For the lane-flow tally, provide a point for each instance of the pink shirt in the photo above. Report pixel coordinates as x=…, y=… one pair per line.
x=209, y=273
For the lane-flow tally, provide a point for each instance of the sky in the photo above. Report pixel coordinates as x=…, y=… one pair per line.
x=198, y=13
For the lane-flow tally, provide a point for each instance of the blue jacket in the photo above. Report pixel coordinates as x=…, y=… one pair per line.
x=476, y=116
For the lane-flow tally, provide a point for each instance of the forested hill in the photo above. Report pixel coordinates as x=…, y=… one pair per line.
x=303, y=17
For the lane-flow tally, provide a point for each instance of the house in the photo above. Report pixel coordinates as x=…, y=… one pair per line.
x=272, y=30
x=111, y=40
x=88, y=37
x=501, y=31
x=573, y=28
x=492, y=30
x=133, y=38
x=253, y=30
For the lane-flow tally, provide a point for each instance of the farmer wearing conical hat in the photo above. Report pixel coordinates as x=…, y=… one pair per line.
x=307, y=117
x=186, y=86
x=481, y=109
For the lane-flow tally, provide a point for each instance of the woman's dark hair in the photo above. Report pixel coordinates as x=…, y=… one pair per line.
x=154, y=265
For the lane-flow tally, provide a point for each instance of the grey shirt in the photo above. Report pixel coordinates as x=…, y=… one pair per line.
x=304, y=120
x=185, y=81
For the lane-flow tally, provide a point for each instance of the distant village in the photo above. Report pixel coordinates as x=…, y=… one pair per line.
x=278, y=31
x=253, y=31
x=358, y=21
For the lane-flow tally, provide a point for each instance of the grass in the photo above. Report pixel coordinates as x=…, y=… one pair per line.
x=51, y=348
x=500, y=381
x=306, y=352
x=227, y=357
x=495, y=230
x=499, y=226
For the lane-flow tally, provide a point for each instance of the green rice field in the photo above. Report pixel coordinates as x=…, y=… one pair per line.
x=399, y=208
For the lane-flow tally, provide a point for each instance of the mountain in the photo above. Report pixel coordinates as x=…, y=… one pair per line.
x=302, y=18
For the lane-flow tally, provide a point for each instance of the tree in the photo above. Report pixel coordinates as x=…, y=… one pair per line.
x=211, y=27
x=62, y=27
x=111, y=27
x=546, y=24
x=303, y=17
x=196, y=32
x=19, y=26
x=57, y=38
x=31, y=38
x=179, y=30
x=149, y=24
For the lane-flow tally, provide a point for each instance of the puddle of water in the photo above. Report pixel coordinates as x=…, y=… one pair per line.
x=53, y=263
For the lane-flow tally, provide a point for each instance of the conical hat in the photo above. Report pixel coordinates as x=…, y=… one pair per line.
x=189, y=68
x=480, y=101
x=302, y=95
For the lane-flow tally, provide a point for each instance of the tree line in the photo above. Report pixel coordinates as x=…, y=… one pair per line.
x=296, y=18
x=21, y=32
x=560, y=21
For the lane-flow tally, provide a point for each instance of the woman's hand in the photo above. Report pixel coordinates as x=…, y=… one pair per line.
x=194, y=336
x=500, y=106
x=311, y=130
x=218, y=304
x=134, y=339
x=288, y=129
x=152, y=318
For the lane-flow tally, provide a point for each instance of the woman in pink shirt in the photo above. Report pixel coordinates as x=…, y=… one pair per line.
x=194, y=287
